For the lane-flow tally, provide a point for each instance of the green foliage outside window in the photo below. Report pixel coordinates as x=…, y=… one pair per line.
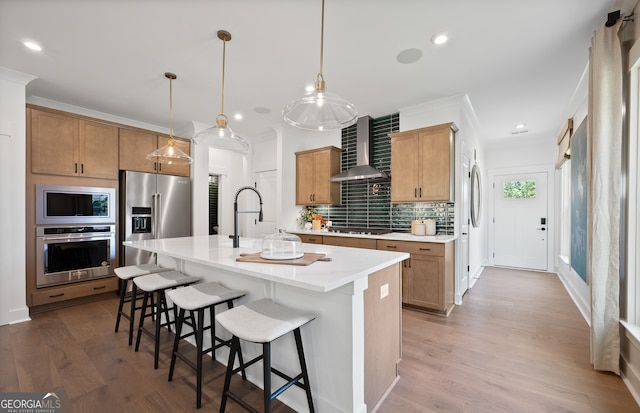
x=519, y=189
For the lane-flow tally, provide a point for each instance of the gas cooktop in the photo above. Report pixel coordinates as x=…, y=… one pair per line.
x=362, y=231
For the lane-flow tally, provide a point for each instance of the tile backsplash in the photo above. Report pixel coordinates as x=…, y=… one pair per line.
x=367, y=203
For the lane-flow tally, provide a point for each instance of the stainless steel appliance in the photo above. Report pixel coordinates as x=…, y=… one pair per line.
x=152, y=206
x=74, y=253
x=75, y=205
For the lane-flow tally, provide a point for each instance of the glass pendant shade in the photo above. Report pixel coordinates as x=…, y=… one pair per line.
x=320, y=110
x=170, y=154
x=221, y=136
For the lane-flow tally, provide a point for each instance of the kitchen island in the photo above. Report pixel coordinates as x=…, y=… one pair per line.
x=352, y=347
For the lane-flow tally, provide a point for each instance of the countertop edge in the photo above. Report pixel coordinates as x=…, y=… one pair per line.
x=394, y=236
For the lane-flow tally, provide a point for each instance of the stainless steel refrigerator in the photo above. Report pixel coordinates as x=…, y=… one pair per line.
x=152, y=206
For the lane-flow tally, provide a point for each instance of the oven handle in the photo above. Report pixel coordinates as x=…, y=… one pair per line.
x=75, y=237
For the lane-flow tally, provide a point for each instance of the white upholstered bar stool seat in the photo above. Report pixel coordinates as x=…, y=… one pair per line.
x=126, y=275
x=196, y=299
x=157, y=284
x=264, y=321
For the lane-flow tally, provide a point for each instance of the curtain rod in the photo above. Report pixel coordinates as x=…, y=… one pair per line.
x=612, y=18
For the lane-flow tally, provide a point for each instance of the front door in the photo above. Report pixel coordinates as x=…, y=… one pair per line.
x=520, y=233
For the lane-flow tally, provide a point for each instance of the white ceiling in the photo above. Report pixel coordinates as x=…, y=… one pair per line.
x=518, y=60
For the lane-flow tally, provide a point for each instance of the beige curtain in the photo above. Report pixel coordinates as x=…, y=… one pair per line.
x=603, y=164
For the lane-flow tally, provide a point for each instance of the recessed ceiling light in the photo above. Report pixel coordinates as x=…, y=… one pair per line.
x=409, y=56
x=237, y=116
x=262, y=110
x=440, y=38
x=310, y=88
x=33, y=46
x=521, y=125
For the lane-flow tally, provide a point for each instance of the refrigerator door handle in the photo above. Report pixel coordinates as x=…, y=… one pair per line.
x=154, y=216
x=158, y=214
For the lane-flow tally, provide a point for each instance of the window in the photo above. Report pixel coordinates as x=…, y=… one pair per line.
x=519, y=189
x=565, y=212
x=632, y=277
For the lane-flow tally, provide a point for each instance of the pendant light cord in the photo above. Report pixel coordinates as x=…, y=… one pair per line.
x=321, y=39
x=170, y=108
x=224, y=52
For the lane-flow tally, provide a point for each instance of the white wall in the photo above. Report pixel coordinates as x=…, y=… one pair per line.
x=13, y=299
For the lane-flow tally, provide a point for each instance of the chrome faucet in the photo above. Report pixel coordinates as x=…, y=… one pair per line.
x=236, y=237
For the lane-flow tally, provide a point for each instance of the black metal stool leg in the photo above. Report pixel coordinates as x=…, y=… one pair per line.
x=161, y=302
x=266, y=368
x=132, y=309
x=123, y=290
x=303, y=365
x=176, y=342
x=199, y=346
x=235, y=344
x=145, y=300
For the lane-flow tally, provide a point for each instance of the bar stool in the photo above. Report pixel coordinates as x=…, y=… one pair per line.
x=262, y=322
x=157, y=284
x=126, y=276
x=196, y=299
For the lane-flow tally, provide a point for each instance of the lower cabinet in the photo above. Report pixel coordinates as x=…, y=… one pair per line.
x=366, y=243
x=427, y=276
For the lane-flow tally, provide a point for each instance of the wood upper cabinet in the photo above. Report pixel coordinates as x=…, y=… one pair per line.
x=427, y=277
x=135, y=145
x=422, y=164
x=64, y=145
x=313, y=170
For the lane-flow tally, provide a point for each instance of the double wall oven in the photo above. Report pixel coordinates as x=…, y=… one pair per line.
x=75, y=234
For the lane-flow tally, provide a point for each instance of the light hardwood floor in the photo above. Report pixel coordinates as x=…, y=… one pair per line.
x=517, y=344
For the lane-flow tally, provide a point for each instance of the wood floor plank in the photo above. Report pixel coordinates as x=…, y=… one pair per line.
x=517, y=344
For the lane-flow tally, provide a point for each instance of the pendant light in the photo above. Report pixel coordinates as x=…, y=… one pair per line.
x=170, y=154
x=221, y=136
x=320, y=110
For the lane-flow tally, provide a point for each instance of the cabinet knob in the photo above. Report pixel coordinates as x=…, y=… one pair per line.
x=420, y=192
x=75, y=168
x=415, y=192
x=392, y=246
x=425, y=249
x=82, y=168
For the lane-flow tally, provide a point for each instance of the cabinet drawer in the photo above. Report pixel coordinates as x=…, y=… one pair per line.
x=419, y=248
x=310, y=239
x=366, y=243
x=71, y=291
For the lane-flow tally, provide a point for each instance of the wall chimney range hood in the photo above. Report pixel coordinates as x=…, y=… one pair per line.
x=362, y=170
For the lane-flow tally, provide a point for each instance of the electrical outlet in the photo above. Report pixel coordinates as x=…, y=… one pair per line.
x=384, y=290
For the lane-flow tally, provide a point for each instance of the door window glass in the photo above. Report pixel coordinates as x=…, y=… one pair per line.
x=519, y=189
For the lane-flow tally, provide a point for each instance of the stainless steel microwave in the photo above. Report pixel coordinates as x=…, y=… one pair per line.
x=57, y=204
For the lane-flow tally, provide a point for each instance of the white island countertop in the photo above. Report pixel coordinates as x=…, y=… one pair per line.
x=216, y=251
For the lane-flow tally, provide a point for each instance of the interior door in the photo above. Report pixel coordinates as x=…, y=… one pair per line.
x=520, y=233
